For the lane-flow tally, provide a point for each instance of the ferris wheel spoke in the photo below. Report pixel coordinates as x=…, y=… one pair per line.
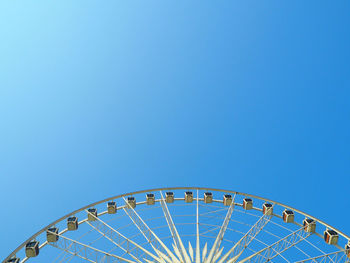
x=217, y=243
x=118, y=239
x=176, y=237
x=149, y=235
x=65, y=254
x=85, y=252
x=334, y=257
x=71, y=255
x=198, y=253
x=69, y=259
x=268, y=253
x=61, y=257
x=242, y=244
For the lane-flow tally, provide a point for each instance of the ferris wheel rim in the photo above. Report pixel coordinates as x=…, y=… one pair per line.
x=14, y=252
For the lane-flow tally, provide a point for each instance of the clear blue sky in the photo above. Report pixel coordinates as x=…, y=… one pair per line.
x=99, y=98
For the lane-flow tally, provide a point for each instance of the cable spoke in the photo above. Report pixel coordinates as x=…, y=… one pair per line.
x=210, y=230
x=216, y=247
x=272, y=251
x=338, y=256
x=213, y=211
x=198, y=253
x=173, y=230
x=149, y=235
x=72, y=256
x=86, y=252
x=241, y=245
x=118, y=239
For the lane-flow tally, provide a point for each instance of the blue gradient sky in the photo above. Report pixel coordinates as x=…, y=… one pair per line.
x=98, y=98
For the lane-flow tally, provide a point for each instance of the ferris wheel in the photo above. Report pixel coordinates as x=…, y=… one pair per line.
x=185, y=225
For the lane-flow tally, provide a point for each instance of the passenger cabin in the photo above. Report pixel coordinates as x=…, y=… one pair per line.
x=150, y=199
x=72, y=223
x=208, y=197
x=188, y=197
x=169, y=197
x=288, y=216
x=227, y=199
x=111, y=207
x=331, y=237
x=247, y=203
x=131, y=202
x=347, y=249
x=13, y=260
x=32, y=249
x=309, y=225
x=52, y=234
x=267, y=209
x=92, y=214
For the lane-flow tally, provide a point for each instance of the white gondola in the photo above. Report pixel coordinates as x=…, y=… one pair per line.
x=347, y=249
x=32, y=249
x=288, y=216
x=188, y=197
x=208, y=197
x=267, y=209
x=92, y=214
x=52, y=234
x=227, y=199
x=331, y=237
x=247, y=203
x=72, y=223
x=13, y=260
x=309, y=225
x=169, y=197
x=150, y=200
x=131, y=202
